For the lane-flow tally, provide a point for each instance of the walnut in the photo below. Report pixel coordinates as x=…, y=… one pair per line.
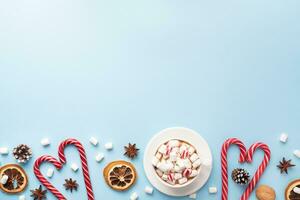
x=265, y=192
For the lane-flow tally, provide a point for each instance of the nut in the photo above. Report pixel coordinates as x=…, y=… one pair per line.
x=265, y=192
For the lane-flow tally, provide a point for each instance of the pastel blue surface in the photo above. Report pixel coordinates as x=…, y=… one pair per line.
x=123, y=70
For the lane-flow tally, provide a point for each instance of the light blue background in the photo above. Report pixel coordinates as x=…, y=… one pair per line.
x=123, y=70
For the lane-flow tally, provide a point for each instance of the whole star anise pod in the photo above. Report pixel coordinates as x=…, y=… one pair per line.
x=70, y=184
x=284, y=165
x=131, y=151
x=38, y=194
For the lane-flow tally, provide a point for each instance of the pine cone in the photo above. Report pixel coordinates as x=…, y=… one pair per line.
x=240, y=176
x=22, y=153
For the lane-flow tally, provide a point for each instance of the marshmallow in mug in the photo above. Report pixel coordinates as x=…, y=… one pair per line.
x=176, y=162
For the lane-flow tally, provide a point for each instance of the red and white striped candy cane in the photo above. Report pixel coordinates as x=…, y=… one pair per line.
x=84, y=163
x=42, y=179
x=261, y=168
x=185, y=154
x=225, y=147
x=187, y=172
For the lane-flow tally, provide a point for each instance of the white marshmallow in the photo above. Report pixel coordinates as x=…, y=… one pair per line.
x=134, y=196
x=182, y=148
x=182, y=180
x=108, y=146
x=173, y=156
x=164, y=177
x=193, y=196
x=162, y=149
x=158, y=155
x=194, y=157
x=297, y=153
x=99, y=157
x=187, y=163
x=4, y=179
x=283, y=137
x=4, y=150
x=162, y=166
x=45, y=142
x=93, y=141
x=74, y=167
x=171, y=182
x=155, y=161
x=212, y=190
x=159, y=172
x=194, y=173
x=197, y=163
x=148, y=190
x=296, y=190
x=177, y=169
x=22, y=197
x=173, y=143
x=180, y=164
x=177, y=176
x=50, y=172
x=191, y=150
x=175, y=150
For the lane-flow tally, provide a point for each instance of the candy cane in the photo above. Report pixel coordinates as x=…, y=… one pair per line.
x=224, y=164
x=261, y=168
x=42, y=179
x=84, y=163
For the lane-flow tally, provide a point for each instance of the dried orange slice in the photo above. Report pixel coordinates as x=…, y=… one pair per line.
x=289, y=192
x=120, y=175
x=17, y=178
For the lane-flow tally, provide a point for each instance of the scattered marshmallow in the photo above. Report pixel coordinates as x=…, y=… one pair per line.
x=108, y=146
x=182, y=180
x=283, y=137
x=99, y=157
x=94, y=141
x=212, y=190
x=193, y=196
x=297, y=153
x=22, y=197
x=4, y=179
x=296, y=190
x=74, y=167
x=45, y=142
x=50, y=172
x=148, y=190
x=134, y=196
x=4, y=150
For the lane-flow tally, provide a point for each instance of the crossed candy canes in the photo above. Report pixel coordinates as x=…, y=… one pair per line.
x=59, y=164
x=245, y=156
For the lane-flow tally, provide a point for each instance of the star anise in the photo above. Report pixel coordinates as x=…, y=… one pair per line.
x=38, y=194
x=71, y=184
x=131, y=151
x=284, y=165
